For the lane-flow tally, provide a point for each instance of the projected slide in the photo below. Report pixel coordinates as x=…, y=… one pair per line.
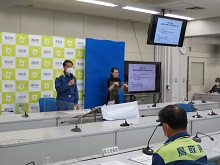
x=168, y=31
x=141, y=77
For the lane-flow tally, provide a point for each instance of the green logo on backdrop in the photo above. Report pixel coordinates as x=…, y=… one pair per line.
x=35, y=51
x=69, y=42
x=18, y=110
x=34, y=74
x=0, y=108
x=80, y=94
x=79, y=74
x=58, y=52
x=8, y=50
x=46, y=63
x=21, y=85
x=8, y=74
x=34, y=96
x=22, y=62
x=47, y=85
x=22, y=39
x=47, y=41
x=8, y=97
x=57, y=73
x=80, y=53
x=1, y=61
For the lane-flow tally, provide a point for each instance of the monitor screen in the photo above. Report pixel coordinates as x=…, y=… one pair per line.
x=143, y=77
x=166, y=31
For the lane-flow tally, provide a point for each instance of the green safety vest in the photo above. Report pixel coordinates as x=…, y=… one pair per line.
x=183, y=148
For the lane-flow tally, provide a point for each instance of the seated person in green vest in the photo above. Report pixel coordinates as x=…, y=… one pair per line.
x=114, y=83
x=216, y=88
x=66, y=87
x=179, y=149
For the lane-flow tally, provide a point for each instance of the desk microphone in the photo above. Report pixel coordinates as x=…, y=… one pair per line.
x=197, y=115
x=125, y=124
x=154, y=105
x=197, y=139
x=212, y=113
x=76, y=129
x=30, y=163
x=148, y=150
x=204, y=101
x=22, y=110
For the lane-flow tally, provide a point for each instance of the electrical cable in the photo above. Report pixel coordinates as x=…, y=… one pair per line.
x=135, y=34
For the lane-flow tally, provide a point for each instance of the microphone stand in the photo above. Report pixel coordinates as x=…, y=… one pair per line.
x=148, y=150
x=30, y=163
x=154, y=105
x=204, y=101
x=197, y=115
x=24, y=114
x=197, y=139
x=212, y=113
x=76, y=129
x=125, y=124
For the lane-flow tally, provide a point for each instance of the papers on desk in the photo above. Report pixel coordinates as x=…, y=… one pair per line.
x=115, y=162
x=143, y=159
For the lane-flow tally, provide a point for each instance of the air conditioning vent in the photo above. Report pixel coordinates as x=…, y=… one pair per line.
x=195, y=8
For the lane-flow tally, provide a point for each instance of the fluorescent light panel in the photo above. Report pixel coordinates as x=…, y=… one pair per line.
x=98, y=3
x=140, y=10
x=179, y=16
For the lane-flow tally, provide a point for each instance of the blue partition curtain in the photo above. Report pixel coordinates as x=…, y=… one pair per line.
x=100, y=57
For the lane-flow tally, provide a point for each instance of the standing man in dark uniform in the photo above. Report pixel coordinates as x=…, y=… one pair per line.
x=66, y=87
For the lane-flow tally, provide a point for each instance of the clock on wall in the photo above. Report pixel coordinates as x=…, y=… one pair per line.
x=183, y=49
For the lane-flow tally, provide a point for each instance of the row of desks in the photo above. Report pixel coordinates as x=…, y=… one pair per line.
x=60, y=143
x=147, y=109
x=211, y=148
x=207, y=96
x=14, y=122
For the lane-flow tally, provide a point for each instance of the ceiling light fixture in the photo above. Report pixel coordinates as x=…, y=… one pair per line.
x=140, y=10
x=179, y=16
x=98, y=3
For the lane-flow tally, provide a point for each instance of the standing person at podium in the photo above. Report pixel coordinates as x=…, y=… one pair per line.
x=113, y=84
x=216, y=88
x=66, y=87
x=179, y=149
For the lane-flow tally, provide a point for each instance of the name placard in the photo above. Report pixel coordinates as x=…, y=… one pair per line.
x=110, y=151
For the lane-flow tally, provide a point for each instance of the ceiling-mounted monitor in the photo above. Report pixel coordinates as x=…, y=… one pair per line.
x=166, y=31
